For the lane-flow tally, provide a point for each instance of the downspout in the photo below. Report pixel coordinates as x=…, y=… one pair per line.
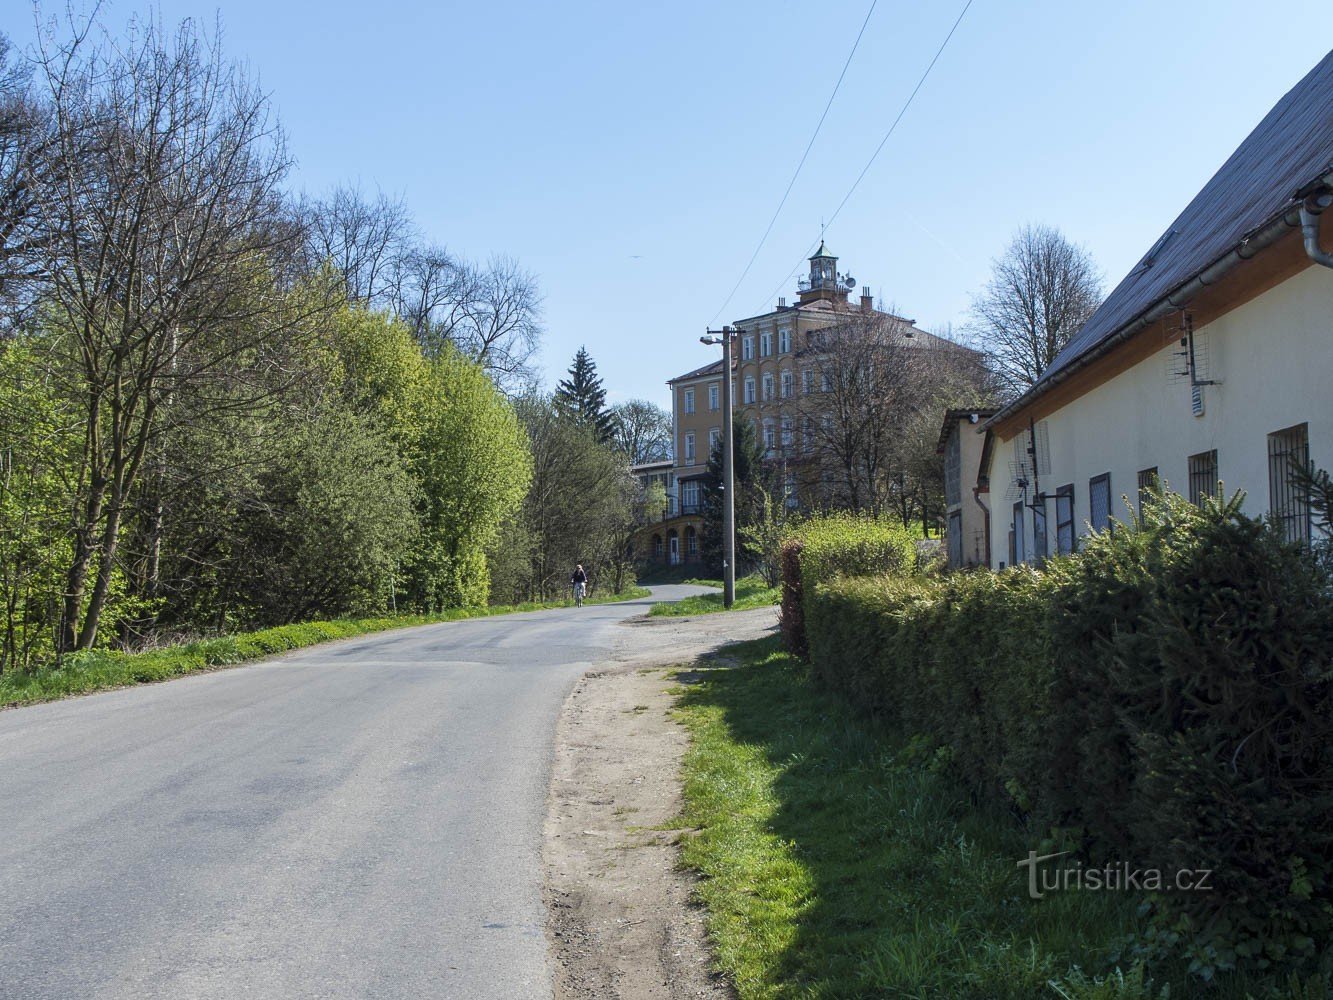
x=1310, y=212
x=985, y=519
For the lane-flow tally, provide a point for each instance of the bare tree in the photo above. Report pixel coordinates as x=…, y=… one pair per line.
x=163, y=214
x=24, y=131
x=869, y=386
x=642, y=431
x=1042, y=290
x=363, y=239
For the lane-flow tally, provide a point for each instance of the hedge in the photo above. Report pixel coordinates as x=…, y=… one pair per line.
x=1164, y=698
x=834, y=546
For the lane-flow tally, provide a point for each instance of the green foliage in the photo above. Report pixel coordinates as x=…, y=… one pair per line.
x=751, y=592
x=38, y=446
x=580, y=509
x=747, y=466
x=827, y=548
x=583, y=397
x=837, y=861
x=474, y=468
x=1165, y=696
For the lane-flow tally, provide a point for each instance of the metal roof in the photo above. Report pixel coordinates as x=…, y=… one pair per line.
x=822, y=252
x=708, y=369
x=1286, y=155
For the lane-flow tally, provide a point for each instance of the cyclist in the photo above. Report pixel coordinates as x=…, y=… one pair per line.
x=579, y=581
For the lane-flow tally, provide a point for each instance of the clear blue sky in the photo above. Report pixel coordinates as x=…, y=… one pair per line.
x=632, y=154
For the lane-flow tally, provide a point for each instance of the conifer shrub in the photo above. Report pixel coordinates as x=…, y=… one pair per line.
x=1163, y=698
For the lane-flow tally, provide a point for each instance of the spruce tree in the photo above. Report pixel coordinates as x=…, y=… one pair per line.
x=583, y=397
x=747, y=465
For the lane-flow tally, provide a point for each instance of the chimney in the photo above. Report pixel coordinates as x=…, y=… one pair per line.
x=867, y=300
x=782, y=302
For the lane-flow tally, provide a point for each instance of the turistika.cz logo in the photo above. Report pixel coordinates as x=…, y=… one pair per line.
x=1115, y=877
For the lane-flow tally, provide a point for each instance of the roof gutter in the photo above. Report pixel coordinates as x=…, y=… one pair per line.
x=1176, y=299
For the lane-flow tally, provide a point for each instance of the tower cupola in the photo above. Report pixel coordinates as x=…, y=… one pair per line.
x=824, y=281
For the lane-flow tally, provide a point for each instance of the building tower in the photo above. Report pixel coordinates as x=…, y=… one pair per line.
x=825, y=282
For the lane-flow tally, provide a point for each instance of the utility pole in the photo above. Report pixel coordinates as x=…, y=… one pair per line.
x=728, y=469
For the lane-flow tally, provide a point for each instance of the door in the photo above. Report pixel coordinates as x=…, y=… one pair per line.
x=675, y=550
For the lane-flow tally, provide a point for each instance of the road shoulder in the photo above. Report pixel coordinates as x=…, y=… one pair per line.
x=622, y=921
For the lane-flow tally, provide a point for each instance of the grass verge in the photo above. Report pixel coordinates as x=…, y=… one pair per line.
x=96, y=670
x=751, y=592
x=838, y=860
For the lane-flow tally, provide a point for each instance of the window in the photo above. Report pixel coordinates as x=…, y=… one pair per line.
x=768, y=386
x=715, y=396
x=1288, y=453
x=770, y=437
x=1038, y=530
x=807, y=380
x=714, y=436
x=689, y=448
x=823, y=382
x=807, y=432
x=1099, y=502
x=1064, y=519
x=788, y=431
x=747, y=348
x=784, y=341
x=689, y=400
x=691, y=541
x=657, y=546
x=1203, y=476
x=789, y=491
x=749, y=388
x=1017, y=550
x=689, y=497
x=786, y=385
x=765, y=344
x=1149, y=483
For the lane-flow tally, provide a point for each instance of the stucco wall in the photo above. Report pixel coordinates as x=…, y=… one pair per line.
x=1275, y=357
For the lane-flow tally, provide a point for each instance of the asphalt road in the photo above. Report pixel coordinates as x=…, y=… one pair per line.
x=361, y=819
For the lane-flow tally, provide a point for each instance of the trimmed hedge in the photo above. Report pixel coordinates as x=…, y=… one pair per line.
x=1164, y=698
x=835, y=546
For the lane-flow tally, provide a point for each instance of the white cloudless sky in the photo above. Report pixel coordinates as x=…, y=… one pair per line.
x=631, y=155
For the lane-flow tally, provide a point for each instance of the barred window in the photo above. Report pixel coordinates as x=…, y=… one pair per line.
x=1064, y=519
x=1099, y=502
x=1288, y=453
x=1149, y=483
x=1203, y=476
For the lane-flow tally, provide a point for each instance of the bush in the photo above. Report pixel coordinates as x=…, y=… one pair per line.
x=834, y=546
x=1163, y=698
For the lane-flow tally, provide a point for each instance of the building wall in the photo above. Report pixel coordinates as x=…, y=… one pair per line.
x=959, y=499
x=699, y=423
x=1274, y=356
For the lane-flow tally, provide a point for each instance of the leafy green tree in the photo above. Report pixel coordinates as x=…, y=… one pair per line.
x=334, y=520
x=749, y=472
x=474, y=468
x=38, y=453
x=581, y=498
x=583, y=397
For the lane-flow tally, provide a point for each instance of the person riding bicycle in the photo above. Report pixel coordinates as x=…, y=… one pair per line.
x=579, y=581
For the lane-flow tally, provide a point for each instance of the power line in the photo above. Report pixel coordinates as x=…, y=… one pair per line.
x=873, y=156
x=790, y=184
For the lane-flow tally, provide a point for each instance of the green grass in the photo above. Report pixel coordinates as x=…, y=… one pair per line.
x=751, y=592
x=840, y=861
x=96, y=670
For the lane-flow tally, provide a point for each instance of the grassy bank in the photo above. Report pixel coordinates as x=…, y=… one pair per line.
x=840, y=861
x=96, y=670
x=751, y=592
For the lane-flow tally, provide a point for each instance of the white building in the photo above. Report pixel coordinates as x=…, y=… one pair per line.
x=1211, y=361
